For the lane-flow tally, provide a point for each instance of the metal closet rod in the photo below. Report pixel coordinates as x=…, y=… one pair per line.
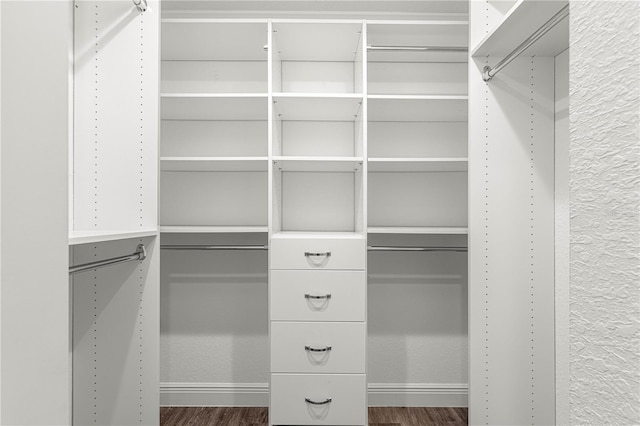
x=413, y=248
x=418, y=48
x=140, y=254
x=141, y=5
x=488, y=72
x=211, y=247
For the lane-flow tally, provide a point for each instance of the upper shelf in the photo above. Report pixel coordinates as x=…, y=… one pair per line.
x=520, y=22
x=317, y=107
x=318, y=164
x=214, y=106
x=211, y=39
x=418, y=164
x=417, y=108
x=214, y=164
x=90, y=237
x=313, y=40
x=417, y=34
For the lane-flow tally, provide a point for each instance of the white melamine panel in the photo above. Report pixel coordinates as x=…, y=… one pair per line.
x=318, y=164
x=324, y=253
x=288, y=290
x=214, y=164
x=345, y=107
x=317, y=41
x=348, y=393
x=413, y=78
x=427, y=230
x=90, y=237
x=511, y=244
x=213, y=138
x=417, y=164
x=317, y=77
x=318, y=201
x=213, y=229
x=418, y=199
x=251, y=107
x=214, y=198
x=214, y=76
x=115, y=116
x=115, y=336
x=416, y=33
x=313, y=138
x=209, y=39
x=343, y=345
x=415, y=139
x=417, y=108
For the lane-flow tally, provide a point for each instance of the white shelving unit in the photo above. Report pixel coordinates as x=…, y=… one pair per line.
x=93, y=237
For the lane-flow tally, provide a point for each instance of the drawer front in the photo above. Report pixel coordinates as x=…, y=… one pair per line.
x=318, y=295
x=316, y=347
x=347, y=394
x=317, y=253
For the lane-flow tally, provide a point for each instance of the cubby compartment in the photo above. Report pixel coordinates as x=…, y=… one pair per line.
x=317, y=56
x=214, y=56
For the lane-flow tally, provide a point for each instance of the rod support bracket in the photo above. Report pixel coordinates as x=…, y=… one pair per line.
x=141, y=251
x=485, y=73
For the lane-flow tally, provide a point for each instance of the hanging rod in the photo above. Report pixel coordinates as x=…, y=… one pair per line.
x=140, y=254
x=488, y=72
x=413, y=248
x=205, y=247
x=418, y=48
x=141, y=5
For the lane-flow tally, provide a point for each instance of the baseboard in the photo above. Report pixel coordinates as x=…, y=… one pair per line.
x=257, y=394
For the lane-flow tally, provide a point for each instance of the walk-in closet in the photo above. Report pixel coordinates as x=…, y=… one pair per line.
x=292, y=213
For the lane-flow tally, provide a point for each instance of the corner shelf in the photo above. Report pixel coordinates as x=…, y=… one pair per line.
x=212, y=229
x=522, y=20
x=318, y=164
x=418, y=164
x=214, y=164
x=90, y=237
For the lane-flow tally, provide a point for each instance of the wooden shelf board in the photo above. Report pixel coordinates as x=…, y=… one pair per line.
x=90, y=237
x=418, y=164
x=417, y=108
x=214, y=164
x=429, y=230
x=318, y=164
x=212, y=229
x=214, y=106
x=522, y=20
x=317, y=107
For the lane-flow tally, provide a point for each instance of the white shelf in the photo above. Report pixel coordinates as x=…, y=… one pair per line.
x=314, y=40
x=214, y=106
x=317, y=235
x=417, y=33
x=214, y=164
x=417, y=108
x=522, y=20
x=211, y=39
x=427, y=230
x=418, y=164
x=317, y=106
x=90, y=237
x=318, y=164
x=212, y=229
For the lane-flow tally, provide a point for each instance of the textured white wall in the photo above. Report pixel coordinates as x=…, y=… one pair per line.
x=604, y=203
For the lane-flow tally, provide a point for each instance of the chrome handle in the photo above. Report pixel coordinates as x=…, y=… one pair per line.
x=310, y=401
x=309, y=296
x=309, y=254
x=310, y=349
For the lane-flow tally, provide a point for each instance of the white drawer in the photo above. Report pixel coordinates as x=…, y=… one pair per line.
x=318, y=347
x=318, y=295
x=317, y=253
x=346, y=391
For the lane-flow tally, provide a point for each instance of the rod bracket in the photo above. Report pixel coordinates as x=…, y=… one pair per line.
x=485, y=73
x=141, y=251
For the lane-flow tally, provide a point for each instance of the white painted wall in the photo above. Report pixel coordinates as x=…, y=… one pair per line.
x=35, y=287
x=604, y=201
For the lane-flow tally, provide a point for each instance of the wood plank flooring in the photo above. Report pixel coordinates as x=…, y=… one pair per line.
x=258, y=416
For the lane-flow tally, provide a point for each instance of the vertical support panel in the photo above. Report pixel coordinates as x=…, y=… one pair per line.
x=35, y=385
x=116, y=337
x=116, y=116
x=604, y=200
x=511, y=241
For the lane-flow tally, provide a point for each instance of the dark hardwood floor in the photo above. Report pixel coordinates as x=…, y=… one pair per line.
x=257, y=416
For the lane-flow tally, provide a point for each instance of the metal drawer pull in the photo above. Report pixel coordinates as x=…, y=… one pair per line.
x=310, y=349
x=309, y=296
x=309, y=254
x=310, y=401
